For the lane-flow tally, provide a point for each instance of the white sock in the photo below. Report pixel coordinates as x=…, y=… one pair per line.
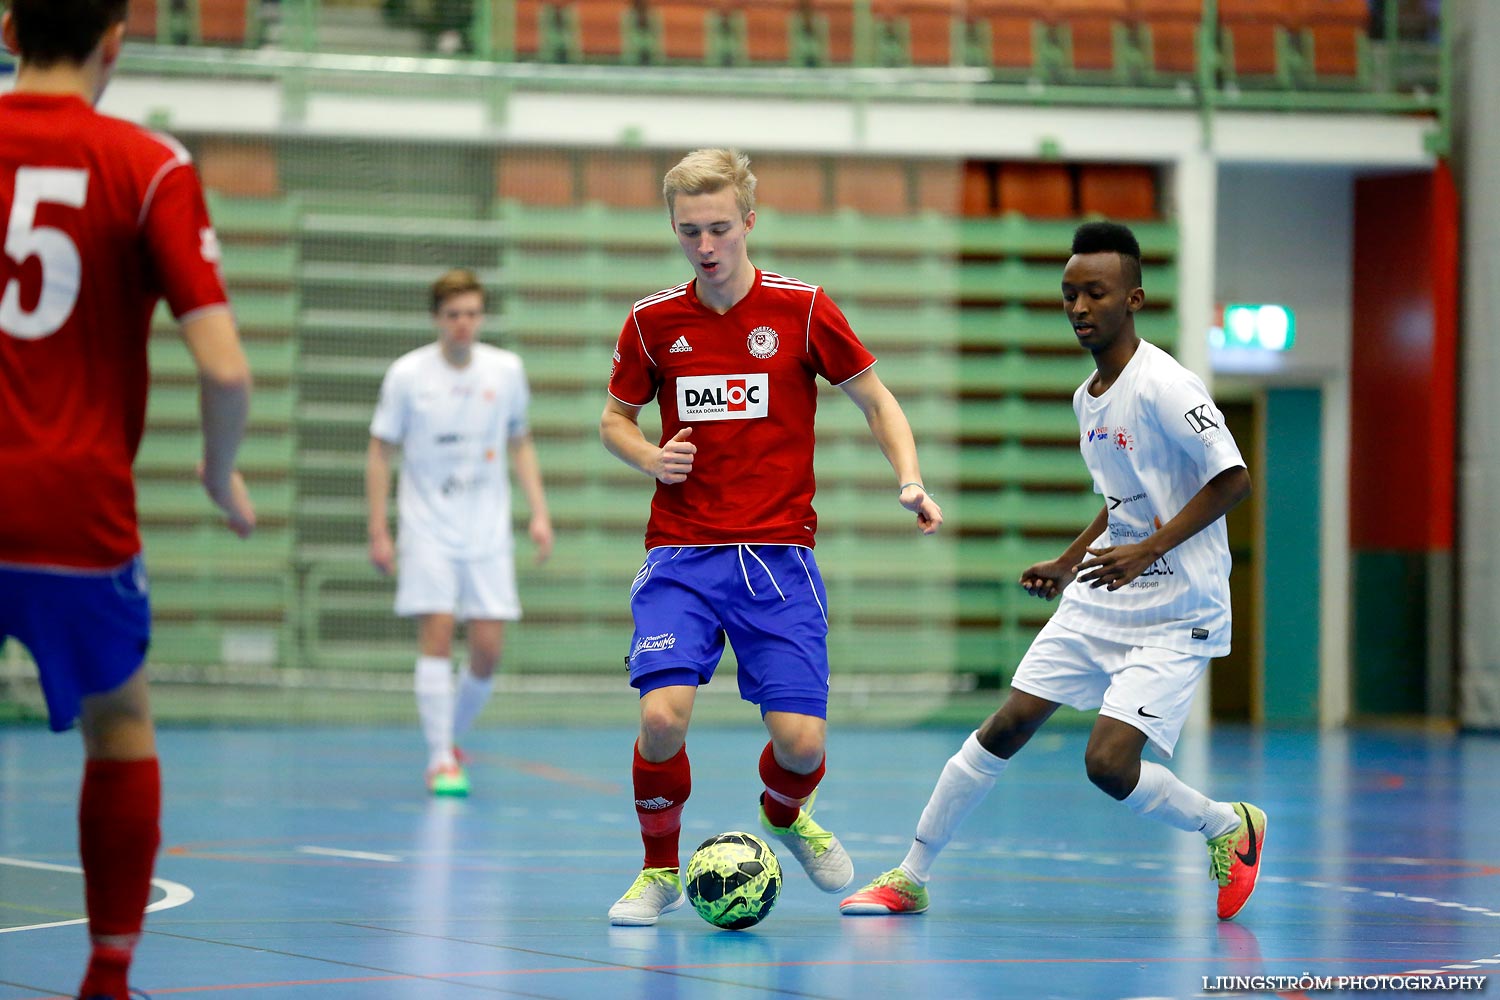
x=966, y=779
x=1160, y=795
x=434, y=687
x=472, y=694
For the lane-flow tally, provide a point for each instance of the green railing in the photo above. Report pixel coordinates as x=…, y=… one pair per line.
x=1389, y=72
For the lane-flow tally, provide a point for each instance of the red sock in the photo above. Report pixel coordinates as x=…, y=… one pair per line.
x=660, y=791
x=785, y=790
x=119, y=830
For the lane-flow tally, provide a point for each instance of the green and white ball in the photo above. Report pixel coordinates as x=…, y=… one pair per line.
x=733, y=880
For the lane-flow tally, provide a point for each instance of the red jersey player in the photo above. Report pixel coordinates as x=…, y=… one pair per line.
x=732, y=358
x=101, y=220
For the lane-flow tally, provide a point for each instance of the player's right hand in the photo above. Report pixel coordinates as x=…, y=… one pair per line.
x=233, y=498
x=1048, y=579
x=383, y=554
x=675, y=459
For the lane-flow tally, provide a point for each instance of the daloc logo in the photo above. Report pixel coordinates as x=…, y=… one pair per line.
x=723, y=397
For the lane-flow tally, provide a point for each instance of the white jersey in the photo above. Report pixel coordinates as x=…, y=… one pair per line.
x=1151, y=442
x=453, y=426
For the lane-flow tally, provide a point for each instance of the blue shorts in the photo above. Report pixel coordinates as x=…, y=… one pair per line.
x=768, y=600
x=88, y=631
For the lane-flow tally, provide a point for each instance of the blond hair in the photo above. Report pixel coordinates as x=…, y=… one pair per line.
x=458, y=281
x=708, y=171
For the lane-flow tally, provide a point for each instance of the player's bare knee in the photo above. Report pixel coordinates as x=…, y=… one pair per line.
x=1004, y=733
x=801, y=753
x=1109, y=770
x=663, y=729
x=483, y=668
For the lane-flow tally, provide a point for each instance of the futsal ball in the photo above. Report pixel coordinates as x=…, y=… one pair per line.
x=733, y=880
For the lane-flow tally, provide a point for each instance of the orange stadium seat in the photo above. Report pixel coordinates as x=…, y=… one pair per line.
x=978, y=195
x=528, y=36
x=1336, y=27
x=1117, y=192
x=536, y=176
x=1036, y=190
x=601, y=27
x=769, y=27
x=838, y=17
x=939, y=186
x=1173, y=25
x=1253, y=26
x=623, y=179
x=929, y=27
x=222, y=22
x=685, y=28
x=238, y=167
x=140, y=20
x=792, y=183
x=874, y=187
x=1011, y=25
x=1091, y=23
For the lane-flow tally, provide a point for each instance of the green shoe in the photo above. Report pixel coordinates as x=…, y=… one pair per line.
x=890, y=892
x=452, y=780
x=819, y=852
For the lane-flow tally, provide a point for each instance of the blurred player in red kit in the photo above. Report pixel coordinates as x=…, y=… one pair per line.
x=102, y=219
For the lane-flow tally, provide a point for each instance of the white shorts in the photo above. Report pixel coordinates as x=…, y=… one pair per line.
x=430, y=582
x=1148, y=687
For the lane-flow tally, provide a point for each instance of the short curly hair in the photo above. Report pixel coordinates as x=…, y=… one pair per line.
x=1111, y=237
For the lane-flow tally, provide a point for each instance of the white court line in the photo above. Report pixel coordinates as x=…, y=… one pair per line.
x=334, y=852
x=176, y=894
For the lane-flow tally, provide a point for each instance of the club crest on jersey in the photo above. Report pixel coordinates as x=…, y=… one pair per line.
x=1124, y=440
x=762, y=342
x=723, y=397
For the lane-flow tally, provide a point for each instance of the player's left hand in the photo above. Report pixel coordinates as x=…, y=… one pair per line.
x=1113, y=566
x=540, y=530
x=929, y=514
x=232, y=498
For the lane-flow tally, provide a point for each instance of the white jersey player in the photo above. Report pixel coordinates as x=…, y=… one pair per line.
x=1144, y=588
x=1150, y=441
x=456, y=410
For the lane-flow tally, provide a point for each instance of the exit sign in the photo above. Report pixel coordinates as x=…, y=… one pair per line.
x=1258, y=327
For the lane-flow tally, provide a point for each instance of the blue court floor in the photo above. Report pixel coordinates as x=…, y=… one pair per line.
x=310, y=865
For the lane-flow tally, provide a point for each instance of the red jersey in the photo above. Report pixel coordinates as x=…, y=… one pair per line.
x=102, y=219
x=746, y=383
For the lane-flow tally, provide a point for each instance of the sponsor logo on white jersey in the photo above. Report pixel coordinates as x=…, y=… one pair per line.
x=680, y=346
x=762, y=342
x=723, y=397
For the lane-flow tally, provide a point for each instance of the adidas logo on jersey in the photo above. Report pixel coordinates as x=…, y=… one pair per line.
x=680, y=347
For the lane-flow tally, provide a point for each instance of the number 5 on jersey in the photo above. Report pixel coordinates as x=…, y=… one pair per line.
x=62, y=271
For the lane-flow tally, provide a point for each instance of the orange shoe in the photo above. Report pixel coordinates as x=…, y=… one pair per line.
x=1234, y=859
x=452, y=780
x=890, y=892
